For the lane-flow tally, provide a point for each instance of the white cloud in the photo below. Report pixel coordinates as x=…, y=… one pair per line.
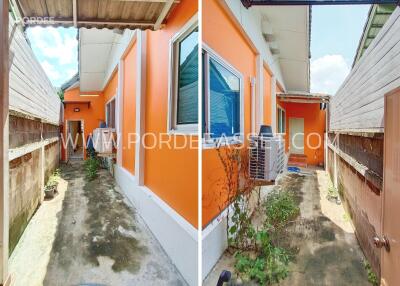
x=328, y=73
x=70, y=73
x=50, y=70
x=55, y=45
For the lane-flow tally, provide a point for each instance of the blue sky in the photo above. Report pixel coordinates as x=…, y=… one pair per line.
x=57, y=51
x=336, y=31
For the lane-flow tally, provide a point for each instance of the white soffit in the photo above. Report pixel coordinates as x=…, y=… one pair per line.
x=95, y=48
x=290, y=34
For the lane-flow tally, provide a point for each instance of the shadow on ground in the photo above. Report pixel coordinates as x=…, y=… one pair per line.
x=325, y=247
x=93, y=237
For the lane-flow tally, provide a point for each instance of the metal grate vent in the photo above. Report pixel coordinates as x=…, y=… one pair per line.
x=267, y=157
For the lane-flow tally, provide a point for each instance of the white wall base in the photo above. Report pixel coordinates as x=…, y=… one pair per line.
x=214, y=243
x=177, y=237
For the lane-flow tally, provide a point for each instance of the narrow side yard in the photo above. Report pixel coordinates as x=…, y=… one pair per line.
x=321, y=243
x=89, y=234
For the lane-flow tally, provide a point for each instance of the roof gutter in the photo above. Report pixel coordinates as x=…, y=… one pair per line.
x=249, y=3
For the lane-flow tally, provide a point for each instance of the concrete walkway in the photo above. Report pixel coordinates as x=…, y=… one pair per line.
x=328, y=253
x=89, y=235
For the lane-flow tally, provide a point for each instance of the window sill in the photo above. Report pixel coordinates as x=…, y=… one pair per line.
x=216, y=142
x=183, y=132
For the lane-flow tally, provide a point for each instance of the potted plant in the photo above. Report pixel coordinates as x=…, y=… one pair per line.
x=50, y=189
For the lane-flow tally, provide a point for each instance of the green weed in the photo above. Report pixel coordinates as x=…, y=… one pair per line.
x=372, y=278
x=280, y=208
x=91, y=167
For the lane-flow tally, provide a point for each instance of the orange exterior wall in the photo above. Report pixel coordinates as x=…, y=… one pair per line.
x=230, y=44
x=111, y=88
x=129, y=110
x=267, y=120
x=314, y=122
x=92, y=115
x=172, y=174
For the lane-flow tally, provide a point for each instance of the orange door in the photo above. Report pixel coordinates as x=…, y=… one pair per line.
x=390, y=253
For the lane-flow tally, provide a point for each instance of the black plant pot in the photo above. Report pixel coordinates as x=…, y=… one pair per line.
x=50, y=192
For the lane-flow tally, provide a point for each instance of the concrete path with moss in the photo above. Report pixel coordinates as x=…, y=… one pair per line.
x=327, y=251
x=89, y=234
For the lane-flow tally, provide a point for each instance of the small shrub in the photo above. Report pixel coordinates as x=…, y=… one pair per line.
x=280, y=207
x=53, y=179
x=372, y=278
x=268, y=267
x=91, y=167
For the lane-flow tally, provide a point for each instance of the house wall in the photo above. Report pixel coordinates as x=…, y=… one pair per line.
x=129, y=109
x=91, y=115
x=221, y=41
x=170, y=173
x=163, y=183
x=314, y=129
x=267, y=116
x=110, y=89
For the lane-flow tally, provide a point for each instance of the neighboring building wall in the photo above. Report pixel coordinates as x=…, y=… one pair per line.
x=357, y=118
x=34, y=155
x=31, y=92
x=360, y=188
x=33, y=133
x=358, y=104
x=26, y=189
x=314, y=129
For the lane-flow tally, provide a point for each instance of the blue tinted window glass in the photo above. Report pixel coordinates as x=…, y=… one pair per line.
x=224, y=101
x=187, y=112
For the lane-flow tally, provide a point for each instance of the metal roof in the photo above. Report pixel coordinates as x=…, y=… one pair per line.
x=377, y=17
x=249, y=3
x=304, y=95
x=113, y=14
x=71, y=82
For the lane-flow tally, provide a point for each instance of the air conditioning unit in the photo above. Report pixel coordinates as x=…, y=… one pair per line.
x=103, y=140
x=267, y=157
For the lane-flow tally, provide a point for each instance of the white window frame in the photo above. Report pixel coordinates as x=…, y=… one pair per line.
x=115, y=111
x=212, y=142
x=281, y=111
x=172, y=126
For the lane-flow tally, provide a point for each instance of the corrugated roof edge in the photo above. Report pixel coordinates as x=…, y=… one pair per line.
x=70, y=82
